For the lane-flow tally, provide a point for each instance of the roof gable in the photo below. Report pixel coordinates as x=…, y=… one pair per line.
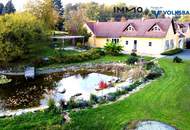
x=155, y=28
x=130, y=27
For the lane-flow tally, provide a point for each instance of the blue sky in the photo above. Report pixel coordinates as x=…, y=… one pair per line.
x=167, y=4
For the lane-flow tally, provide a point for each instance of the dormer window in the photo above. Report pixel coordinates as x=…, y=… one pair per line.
x=130, y=28
x=156, y=28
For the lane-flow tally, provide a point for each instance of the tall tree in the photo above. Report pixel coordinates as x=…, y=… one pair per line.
x=43, y=10
x=75, y=21
x=18, y=31
x=9, y=7
x=1, y=8
x=58, y=7
x=60, y=11
x=92, y=10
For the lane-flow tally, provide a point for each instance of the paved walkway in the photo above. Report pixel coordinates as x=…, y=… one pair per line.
x=185, y=55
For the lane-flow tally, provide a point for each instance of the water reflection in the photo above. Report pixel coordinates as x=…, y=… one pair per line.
x=78, y=85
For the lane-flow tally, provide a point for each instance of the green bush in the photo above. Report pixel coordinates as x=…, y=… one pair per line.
x=79, y=45
x=102, y=100
x=113, y=48
x=172, y=52
x=17, y=32
x=133, y=54
x=132, y=60
x=63, y=104
x=91, y=54
x=39, y=62
x=149, y=65
x=52, y=107
x=72, y=104
x=135, y=84
x=93, y=99
x=155, y=72
x=111, y=97
x=177, y=60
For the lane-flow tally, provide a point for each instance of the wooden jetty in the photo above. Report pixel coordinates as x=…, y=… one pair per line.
x=29, y=73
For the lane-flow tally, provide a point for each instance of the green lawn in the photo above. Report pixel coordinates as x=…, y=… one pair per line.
x=166, y=100
x=103, y=59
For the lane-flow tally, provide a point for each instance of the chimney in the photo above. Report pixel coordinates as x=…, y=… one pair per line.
x=112, y=19
x=144, y=18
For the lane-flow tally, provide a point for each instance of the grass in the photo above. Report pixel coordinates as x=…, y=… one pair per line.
x=165, y=100
x=40, y=120
x=103, y=59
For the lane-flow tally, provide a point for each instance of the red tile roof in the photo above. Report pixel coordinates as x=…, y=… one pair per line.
x=117, y=29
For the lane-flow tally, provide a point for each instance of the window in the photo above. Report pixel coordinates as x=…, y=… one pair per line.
x=167, y=45
x=155, y=28
x=171, y=43
x=130, y=28
x=127, y=42
x=135, y=44
x=115, y=40
x=150, y=43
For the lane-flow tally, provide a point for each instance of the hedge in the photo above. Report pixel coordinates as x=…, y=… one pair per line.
x=172, y=52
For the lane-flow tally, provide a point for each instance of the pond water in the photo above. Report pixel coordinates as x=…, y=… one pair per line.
x=20, y=93
x=153, y=125
x=78, y=85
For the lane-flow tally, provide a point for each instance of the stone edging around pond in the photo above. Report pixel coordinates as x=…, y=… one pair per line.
x=21, y=111
x=66, y=68
x=128, y=94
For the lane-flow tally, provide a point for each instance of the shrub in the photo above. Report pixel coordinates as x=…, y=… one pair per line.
x=51, y=103
x=39, y=62
x=79, y=45
x=133, y=54
x=132, y=60
x=111, y=97
x=101, y=100
x=113, y=48
x=93, y=99
x=177, y=60
x=172, y=52
x=135, y=84
x=52, y=106
x=63, y=104
x=72, y=104
x=120, y=92
x=155, y=72
x=149, y=65
x=91, y=54
x=100, y=51
x=83, y=104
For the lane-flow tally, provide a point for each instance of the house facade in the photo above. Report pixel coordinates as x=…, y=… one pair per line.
x=143, y=36
x=183, y=32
